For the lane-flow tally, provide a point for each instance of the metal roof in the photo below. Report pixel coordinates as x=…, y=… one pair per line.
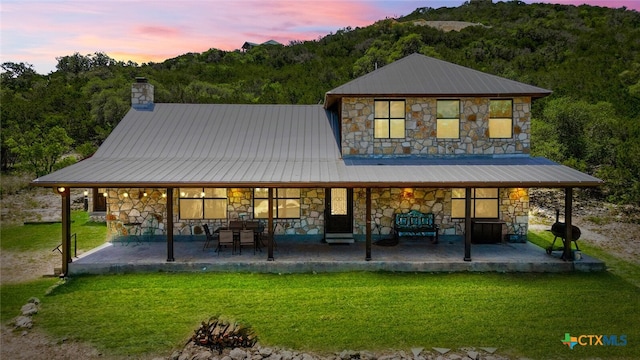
x=218, y=145
x=220, y=131
x=419, y=75
x=276, y=145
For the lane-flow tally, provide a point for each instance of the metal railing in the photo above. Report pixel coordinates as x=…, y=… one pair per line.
x=75, y=246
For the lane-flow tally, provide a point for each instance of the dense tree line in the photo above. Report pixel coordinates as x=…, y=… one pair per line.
x=589, y=56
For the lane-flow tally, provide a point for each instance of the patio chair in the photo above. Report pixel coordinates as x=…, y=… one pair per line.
x=247, y=238
x=225, y=238
x=210, y=237
x=236, y=225
x=258, y=228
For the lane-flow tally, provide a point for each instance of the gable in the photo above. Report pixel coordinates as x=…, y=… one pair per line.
x=419, y=75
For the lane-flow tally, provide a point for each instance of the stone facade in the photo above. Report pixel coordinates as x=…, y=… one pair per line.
x=386, y=202
x=135, y=207
x=420, y=130
x=147, y=207
x=150, y=210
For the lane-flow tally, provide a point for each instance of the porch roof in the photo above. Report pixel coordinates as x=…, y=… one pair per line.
x=316, y=173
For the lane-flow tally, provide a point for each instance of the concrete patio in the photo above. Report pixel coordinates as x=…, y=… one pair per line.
x=293, y=256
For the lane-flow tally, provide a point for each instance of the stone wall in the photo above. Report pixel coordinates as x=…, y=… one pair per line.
x=148, y=207
x=420, y=130
x=386, y=202
x=135, y=207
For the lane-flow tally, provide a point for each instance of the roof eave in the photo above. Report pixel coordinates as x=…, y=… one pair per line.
x=331, y=98
x=329, y=184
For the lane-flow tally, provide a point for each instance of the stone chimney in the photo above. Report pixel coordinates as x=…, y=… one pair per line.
x=142, y=95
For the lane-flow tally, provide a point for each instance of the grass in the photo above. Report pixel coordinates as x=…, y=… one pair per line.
x=619, y=267
x=521, y=314
x=34, y=237
x=13, y=296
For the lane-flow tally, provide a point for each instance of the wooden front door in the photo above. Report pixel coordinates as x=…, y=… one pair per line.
x=99, y=201
x=339, y=211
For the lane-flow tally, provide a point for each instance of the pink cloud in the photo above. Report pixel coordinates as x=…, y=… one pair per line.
x=157, y=31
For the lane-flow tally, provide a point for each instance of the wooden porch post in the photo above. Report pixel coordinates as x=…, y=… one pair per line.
x=270, y=225
x=467, y=224
x=65, y=194
x=170, y=257
x=568, y=210
x=368, y=222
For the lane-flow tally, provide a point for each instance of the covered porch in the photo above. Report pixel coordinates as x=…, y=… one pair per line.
x=295, y=256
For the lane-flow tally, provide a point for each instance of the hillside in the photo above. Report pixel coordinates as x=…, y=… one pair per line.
x=589, y=57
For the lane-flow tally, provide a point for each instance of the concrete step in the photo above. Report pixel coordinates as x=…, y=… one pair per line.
x=339, y=238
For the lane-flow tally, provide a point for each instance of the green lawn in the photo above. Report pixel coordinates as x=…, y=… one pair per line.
x=521, y=314
x=36, y=237
x=625, y=269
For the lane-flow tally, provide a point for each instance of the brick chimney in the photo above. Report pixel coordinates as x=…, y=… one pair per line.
x=142, y=95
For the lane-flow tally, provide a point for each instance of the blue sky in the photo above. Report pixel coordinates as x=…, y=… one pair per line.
x=38, y=31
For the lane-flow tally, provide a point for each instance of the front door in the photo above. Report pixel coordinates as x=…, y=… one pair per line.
x=339, y=211
x=99, y=201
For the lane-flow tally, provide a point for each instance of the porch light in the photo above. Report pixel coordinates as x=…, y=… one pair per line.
x=202, y=194
x=164, y=195
x=126, y=195
x=86, y=193
x=61, y=189
x=105, y=194
x=144, y=194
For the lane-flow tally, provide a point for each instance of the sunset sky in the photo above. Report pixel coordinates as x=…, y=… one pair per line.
x=38, y=31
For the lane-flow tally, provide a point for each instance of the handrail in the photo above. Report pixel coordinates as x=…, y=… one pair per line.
x=75, y=245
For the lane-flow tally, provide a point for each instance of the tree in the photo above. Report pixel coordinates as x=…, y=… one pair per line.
x=39, y=151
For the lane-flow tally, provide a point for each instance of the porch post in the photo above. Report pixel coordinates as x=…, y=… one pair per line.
x=467, y=224
x=368, y=222
x=65, y=194
x=270, y=225
x=568, y=210
x=170, y=257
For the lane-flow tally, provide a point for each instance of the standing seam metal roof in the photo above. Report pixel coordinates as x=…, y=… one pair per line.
x=258, y=145
x=419, y=75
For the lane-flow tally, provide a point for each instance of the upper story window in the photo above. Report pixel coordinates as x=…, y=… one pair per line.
x=389, y=119
x=448, y=119
x=203, y=203
x=501, y=119
x=286, y=204
x=484, y=203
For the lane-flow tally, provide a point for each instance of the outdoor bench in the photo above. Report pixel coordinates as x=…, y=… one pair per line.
x=416, y=224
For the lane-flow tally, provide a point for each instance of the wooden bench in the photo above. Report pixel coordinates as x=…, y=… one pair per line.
x=416, y=224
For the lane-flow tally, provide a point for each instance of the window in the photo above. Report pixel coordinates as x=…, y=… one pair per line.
x=500, y=119
x=203, y=203
x=484, y=203
x=286, y=204
x=389, y=119
x=448, y=119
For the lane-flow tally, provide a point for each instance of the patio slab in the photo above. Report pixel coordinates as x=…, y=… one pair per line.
x=297, y=257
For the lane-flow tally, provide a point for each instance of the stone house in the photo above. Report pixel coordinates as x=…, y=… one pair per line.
x=417, y=134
